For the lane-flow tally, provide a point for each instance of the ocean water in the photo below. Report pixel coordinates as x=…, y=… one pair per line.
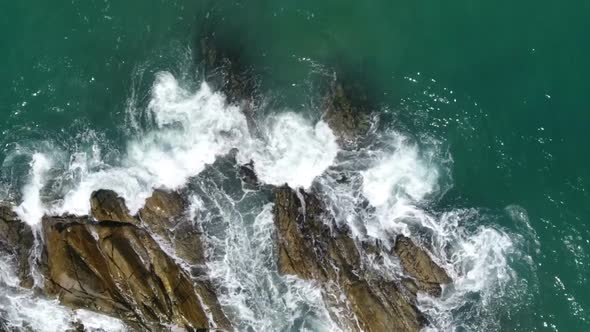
x=480, y=140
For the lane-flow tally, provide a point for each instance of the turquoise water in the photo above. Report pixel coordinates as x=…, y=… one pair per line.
x=502, y=86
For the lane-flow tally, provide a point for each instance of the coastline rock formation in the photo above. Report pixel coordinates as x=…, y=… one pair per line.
x=16, y=239
x=347, y=117
x=426, y=275
x=312, y=249
x=149, y=269
x=164, y=215
x=117, y=267
x=106, y=205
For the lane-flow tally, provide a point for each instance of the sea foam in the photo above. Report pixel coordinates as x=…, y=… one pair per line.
x=191, y=130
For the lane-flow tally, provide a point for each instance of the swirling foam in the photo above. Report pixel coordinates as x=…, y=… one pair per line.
x=192, y=130
x=23, y=310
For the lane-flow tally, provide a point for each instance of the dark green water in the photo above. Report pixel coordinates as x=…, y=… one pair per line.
x=503, y=85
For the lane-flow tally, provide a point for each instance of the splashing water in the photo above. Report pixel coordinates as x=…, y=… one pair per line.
x=193, y=129
x=394, y=182
x=31, y=210
x=23, y=310
x=378, y=191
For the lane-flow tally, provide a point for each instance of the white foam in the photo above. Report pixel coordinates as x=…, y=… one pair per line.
x=398, y=181
x=192, y=130
x=401, y=175
x=294, y=151
x=477, y=263
x=31, y=209
x=23, y=310
x=96, y=322
x=397, y=177
x=243, y=262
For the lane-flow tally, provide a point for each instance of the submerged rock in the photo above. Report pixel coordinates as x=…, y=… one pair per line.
x=314, y=250
x=427, y=276
x=227, y=73
x=16, y=239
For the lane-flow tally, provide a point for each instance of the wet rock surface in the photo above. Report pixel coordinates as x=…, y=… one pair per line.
x=426, y=275
x=16, y=239
x=106, y=205
x=164, y=214
x=118, y=269
x=347, y=116
x=312, y=249
x=118, y=265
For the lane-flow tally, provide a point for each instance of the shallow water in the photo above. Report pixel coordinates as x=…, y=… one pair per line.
x=479, y=146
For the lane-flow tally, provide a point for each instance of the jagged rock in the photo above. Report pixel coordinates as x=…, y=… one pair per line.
x=106, y=205
x=347, y=117
x=17, y=239
x=313, y=250
x=118, y=269
x=164, y=214
x=427, y=276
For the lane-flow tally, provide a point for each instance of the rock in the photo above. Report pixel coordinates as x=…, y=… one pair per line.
x=314, y=250
x=427, y=276
x=226, y=72
x=106, y=205
x=164, y=215
x=248, y=175
x=17, y=239
x=347, y=117
x=118, y=269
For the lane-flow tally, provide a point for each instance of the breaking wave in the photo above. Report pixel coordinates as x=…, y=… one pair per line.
x=385, y=188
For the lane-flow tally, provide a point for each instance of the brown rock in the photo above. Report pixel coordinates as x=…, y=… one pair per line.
x=348, y=118
x=17, y=238
x=312, y=249
x=106, y=205
x=118, y=269
x=427, y=276
x=164, y=215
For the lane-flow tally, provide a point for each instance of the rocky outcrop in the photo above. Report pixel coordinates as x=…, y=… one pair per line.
x=348, y=117
x=16, y=239
x=314, y=250
x=118, y=269
x=164, y=215
x=426, y=275
x=114, y=263
x=106, y=205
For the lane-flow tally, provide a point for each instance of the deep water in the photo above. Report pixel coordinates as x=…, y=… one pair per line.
x=483, y=111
